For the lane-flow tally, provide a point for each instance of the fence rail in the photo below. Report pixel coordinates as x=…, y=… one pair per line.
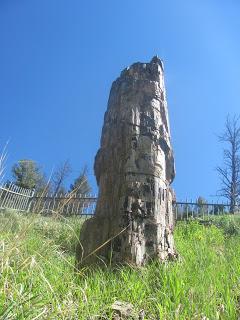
x=67, y=204
x=14, y=197
x=193, y=210
x=21, y=199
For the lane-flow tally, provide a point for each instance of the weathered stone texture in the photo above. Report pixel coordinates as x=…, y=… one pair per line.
x=134, y=168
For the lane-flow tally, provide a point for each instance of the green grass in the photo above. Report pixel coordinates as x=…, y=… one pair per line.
x=38, y=281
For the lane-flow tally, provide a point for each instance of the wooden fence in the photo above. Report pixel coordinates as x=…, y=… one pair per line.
x=14, y=197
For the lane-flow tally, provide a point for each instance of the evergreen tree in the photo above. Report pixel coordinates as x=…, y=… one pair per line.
x=27, y=174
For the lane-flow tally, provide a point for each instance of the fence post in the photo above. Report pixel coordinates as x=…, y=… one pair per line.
x=30, y=200
x=176, y=211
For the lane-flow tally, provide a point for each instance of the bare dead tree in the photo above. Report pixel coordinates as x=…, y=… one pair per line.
x=81, y=184
x=229, y=173
x=59, y=177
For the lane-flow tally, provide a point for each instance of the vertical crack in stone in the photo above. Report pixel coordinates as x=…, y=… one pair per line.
x=134, y=168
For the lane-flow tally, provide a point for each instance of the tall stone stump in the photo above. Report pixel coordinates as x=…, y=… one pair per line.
x=134, y=168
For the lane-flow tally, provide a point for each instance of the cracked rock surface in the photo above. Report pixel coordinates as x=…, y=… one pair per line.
x=134, y=168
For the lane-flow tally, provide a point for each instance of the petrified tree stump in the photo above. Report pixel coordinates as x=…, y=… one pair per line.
x=134, y=168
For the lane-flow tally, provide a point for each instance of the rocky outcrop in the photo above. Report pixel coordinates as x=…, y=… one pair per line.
x=134, y=168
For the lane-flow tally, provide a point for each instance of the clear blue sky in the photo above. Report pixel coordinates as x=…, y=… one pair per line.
x=58, y=59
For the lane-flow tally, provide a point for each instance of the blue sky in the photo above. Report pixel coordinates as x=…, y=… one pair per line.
x=58, y=59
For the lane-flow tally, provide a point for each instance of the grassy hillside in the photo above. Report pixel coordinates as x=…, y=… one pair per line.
x=38, y=279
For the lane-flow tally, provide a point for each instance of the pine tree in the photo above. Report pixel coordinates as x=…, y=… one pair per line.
x=27, y=174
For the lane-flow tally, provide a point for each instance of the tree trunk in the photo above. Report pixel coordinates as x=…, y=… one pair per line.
x=134, y=168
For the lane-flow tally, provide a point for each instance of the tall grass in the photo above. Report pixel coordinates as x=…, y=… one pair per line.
x=3, y=156
x=38, y=280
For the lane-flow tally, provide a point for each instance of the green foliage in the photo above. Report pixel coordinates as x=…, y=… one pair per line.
x=38, y=280
x=27, y=174
x=229, y=224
